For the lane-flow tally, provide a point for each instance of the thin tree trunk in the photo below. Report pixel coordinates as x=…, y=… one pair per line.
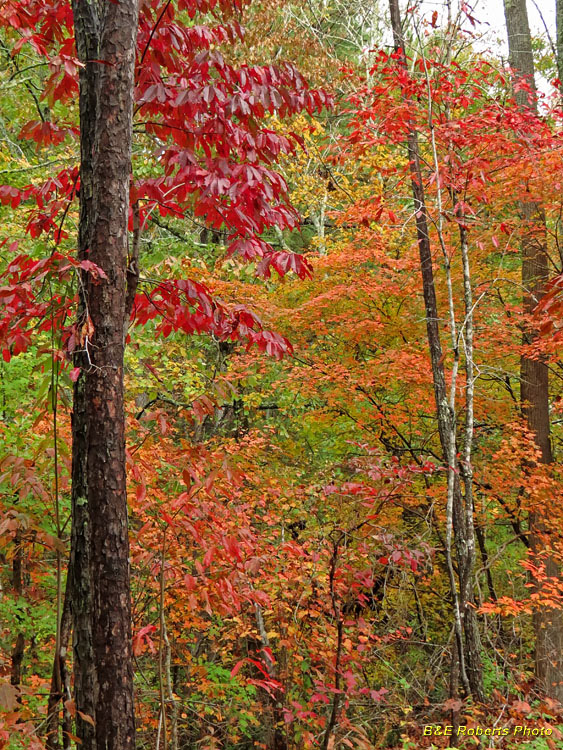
x=59, y=679
x=468, y=659
x=559, y=40
x=534, y=380
x=276, y=736
x=106, y=43
x=332, y=722
x=166, y=689
x=472, y=642
x=17, y=585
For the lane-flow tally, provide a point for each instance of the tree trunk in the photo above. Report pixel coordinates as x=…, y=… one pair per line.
x=86, y=25
x=17, y=585
x=275, y=733
x=59, y=679
x=466, y=631
x=559, y=40
x=534, y=382
x=106, y=43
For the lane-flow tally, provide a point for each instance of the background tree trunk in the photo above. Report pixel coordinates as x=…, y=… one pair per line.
x=106, y=43
x=534, y=380
x=17, y=585
x=559, y=38
x=467, y=634
x=60, y=681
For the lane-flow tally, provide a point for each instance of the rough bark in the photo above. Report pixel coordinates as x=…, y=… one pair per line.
x=86, y=25
x=467, y=635
x=106, y=42
x=534, y=374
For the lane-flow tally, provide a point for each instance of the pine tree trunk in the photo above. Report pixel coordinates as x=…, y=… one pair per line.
x=534, y=382
x=86, y=25
x=106, y=43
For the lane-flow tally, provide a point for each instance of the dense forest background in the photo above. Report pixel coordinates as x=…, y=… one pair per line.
x=342, y=401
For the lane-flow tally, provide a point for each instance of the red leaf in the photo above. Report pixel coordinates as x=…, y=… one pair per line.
x=236, y=669
x=141, y=493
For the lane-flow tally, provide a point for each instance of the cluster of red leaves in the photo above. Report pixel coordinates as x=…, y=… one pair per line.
x=215, y=160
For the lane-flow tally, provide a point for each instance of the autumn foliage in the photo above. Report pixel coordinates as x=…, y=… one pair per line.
x=290, y=526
